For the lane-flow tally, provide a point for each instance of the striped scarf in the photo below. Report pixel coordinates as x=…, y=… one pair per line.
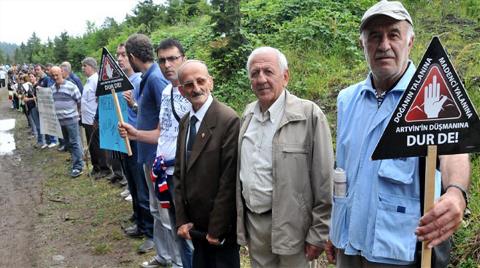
x=159, y=176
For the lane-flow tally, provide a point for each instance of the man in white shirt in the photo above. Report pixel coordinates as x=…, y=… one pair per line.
x=88, y=110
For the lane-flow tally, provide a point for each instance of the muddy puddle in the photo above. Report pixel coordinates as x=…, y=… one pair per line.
x=7, y=141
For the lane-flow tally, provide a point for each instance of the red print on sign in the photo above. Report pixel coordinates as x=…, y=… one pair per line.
x=108, y=71
x=434, y=101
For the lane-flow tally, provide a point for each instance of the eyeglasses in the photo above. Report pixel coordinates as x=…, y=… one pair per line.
x=189, y=85
x=170, y=59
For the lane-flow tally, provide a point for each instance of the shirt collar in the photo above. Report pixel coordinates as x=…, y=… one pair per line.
x=203, y=110
x=94, y=76
x=275, y=109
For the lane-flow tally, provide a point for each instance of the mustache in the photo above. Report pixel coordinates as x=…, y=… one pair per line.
x=386, y=54
x=197, y=93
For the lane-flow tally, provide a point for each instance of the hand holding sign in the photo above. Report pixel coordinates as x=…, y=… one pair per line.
x=433, y=103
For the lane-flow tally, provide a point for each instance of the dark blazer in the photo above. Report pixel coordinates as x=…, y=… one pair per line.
x=205, y=186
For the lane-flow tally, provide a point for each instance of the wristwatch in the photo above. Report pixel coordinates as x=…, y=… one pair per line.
x=135, y=107
x=463, y=190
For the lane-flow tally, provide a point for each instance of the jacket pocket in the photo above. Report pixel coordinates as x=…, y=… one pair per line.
x=294, y=149
x=339, y=227
x=397, y=218
x=398, y=171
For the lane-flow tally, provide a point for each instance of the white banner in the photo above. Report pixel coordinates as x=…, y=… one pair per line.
x=48, y=118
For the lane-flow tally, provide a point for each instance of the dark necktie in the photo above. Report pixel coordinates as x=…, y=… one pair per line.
x=191, y=135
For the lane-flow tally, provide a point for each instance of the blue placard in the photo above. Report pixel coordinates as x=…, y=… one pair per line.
x=109, y=137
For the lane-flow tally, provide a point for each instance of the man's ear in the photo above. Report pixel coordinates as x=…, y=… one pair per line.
x=360, y=42
x=286, y=77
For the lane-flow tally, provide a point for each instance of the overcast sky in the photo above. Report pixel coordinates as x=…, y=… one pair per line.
x=48, y=18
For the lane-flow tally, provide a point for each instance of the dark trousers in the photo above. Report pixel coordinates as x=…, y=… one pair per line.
x=209, y=256
x=116, y=164
x=98, y=156
x=137, y=186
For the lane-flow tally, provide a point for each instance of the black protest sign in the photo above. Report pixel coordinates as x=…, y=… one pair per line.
x=434, y=110
x=111, y=76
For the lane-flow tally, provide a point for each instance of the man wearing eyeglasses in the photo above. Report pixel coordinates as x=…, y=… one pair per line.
x=204, y=174
x=174, y=106
x=140, y=55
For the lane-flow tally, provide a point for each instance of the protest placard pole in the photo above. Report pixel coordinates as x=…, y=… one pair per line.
x=120, y=120
x=429, y=198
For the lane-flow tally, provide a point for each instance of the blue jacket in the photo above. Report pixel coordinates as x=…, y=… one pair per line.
x=378, y=217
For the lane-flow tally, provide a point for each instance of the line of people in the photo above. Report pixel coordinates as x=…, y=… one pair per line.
x=265, y=180
x=205, y=181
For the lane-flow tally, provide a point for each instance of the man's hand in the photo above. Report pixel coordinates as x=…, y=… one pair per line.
x=330, y=252
x=443, y=219
x=312, y=252
x=213, y=241
x=125, y=129
x=432, y=102
x=127, y=95
x=183, y=231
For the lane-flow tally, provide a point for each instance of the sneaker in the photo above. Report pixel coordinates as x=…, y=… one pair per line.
x=38, y=145
x=123, y=182
x=125, y=193
x=44, y=146
x=61, y=148
x=102, y=173
x=153, y=263
x=75, y=173
x=128, y=198
x=146, y=246
x=133, y=232
x=51, y=145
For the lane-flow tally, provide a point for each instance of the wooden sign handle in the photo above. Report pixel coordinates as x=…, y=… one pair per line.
x=120, y=119
x=429, y=198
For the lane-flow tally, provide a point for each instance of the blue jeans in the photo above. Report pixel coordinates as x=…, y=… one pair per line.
x=36, y=123
x=138, y=189
x=50, y=139
x=72, y=131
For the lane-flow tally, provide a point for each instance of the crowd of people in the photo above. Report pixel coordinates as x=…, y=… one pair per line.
x=204, y=181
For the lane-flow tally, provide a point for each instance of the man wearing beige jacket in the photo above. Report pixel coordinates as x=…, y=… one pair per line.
x=284, y=170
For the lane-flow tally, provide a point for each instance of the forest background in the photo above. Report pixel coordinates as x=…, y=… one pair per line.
x=319, y=38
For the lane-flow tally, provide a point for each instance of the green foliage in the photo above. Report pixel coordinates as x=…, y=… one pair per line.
x=319, y=38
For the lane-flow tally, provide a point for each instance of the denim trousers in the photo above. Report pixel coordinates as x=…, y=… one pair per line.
x=36, y=123
x=138, y=189
x=72, y=131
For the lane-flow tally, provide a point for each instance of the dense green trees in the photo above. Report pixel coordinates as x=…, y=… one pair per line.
x=319, y=38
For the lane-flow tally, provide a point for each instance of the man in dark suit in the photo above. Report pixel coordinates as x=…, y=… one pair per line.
x=205, y=171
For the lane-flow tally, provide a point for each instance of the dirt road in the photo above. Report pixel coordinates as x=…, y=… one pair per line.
x=19, y=197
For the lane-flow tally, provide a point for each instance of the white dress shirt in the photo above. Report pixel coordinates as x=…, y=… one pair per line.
x=256, y=156
x=89, y=100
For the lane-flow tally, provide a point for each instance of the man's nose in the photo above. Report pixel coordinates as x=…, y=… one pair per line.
x=384, y=44
x=261, y=77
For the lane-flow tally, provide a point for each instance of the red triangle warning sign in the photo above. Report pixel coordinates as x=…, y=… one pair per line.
x=108, y=70
x=434, y=100
x=110, y=76
x=433, y=110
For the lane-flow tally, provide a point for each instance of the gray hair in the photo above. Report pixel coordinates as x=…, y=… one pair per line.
x=282, y=60
x=91, y=62
x=66, y=66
